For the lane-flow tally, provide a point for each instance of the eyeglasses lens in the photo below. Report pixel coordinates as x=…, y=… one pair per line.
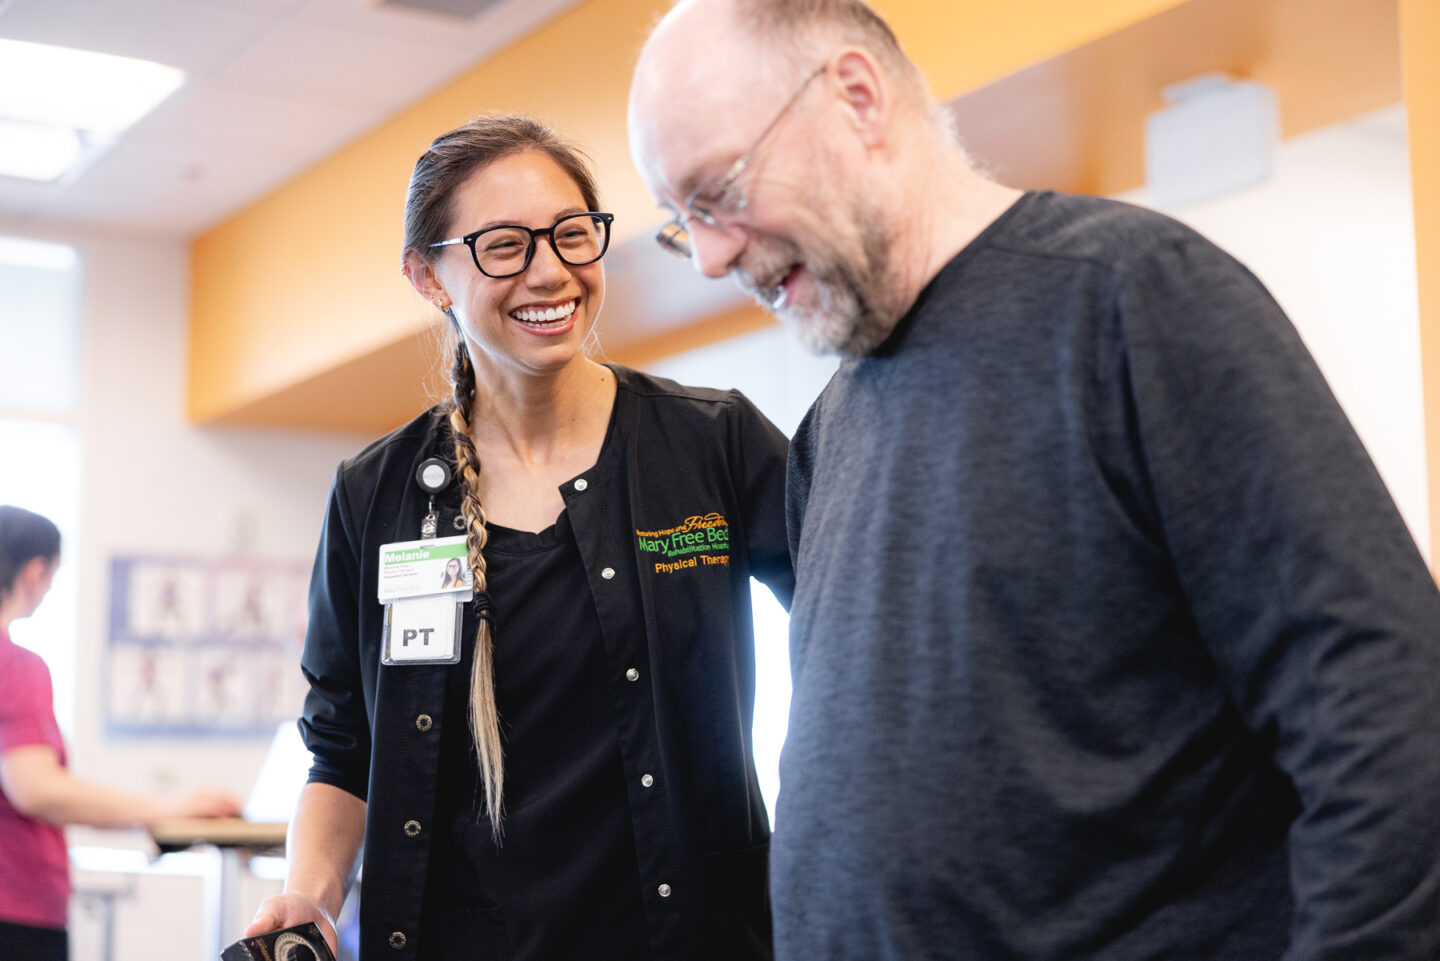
x=580, y=239
x=502, y=251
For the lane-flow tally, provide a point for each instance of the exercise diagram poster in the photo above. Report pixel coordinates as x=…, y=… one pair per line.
x=202, y=647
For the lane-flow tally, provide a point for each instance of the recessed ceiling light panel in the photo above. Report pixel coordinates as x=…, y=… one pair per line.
x=37, y=152
x=96, y=92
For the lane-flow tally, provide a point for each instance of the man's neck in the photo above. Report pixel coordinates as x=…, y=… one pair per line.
x=946, y=207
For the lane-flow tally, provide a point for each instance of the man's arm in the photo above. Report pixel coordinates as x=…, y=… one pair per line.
x=1307, y=589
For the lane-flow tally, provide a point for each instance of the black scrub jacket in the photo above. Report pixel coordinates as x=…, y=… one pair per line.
x=683, y=506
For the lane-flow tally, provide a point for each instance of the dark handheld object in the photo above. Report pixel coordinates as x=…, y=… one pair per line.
x=302, y=943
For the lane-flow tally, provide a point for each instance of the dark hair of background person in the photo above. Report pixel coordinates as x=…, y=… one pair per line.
x=24, y=536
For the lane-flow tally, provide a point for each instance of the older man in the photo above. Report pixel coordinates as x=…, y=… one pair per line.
x=1108, y=641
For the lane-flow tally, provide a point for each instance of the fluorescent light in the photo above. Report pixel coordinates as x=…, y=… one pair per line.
x=95, y=92
x=37, y=152
x=19, y=252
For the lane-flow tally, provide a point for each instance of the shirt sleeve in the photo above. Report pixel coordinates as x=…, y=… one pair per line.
x=759, y=459
x=26, y=709
x=1307, y=589
x=335, y=724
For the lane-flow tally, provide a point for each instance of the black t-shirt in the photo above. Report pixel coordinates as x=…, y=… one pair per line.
x=564, y=882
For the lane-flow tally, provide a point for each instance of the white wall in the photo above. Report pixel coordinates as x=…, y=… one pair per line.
x=156, y=484
x=152, y=483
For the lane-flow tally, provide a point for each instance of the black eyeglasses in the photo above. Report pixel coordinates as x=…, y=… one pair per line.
x=723, y=197
x=504, y=251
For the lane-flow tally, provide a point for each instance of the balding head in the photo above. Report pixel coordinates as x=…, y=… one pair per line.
x=699, y=75
x=783, y=133
x=797, y=31
x=710, y=65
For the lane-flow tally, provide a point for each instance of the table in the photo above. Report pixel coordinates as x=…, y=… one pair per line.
x=232, y=839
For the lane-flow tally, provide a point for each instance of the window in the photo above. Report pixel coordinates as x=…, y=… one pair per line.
x=40, y=466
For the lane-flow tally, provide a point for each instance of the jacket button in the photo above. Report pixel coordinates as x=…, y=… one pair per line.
x=423, y=722
x=608, y=573
x=397, y=939
x=646, y=780
x=412, y=828
x=581, y=484
x=632, y=675
x=664, y=890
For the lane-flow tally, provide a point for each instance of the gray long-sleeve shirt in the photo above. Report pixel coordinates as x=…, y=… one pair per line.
x=1108, y=641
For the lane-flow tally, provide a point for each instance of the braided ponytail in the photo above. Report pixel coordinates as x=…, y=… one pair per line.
x=442, y=169
x=484, y=716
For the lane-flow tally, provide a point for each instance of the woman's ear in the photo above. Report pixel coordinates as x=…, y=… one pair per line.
x=33, y=581
x=421, y=274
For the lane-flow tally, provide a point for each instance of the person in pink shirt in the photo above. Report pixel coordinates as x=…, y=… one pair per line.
x=37, y=793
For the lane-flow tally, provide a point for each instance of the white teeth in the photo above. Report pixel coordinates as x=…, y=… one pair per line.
x=548, y=315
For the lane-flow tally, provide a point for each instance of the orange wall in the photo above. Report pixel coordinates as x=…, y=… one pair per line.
x=307, y=279
x=1420, y=40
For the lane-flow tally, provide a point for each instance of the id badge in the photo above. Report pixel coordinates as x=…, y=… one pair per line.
x=424, y=586
x=422, y=630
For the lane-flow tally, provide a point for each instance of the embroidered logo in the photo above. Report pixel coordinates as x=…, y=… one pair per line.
x=701, y=540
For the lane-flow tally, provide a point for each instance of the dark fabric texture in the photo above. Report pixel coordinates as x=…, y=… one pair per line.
x=22, y=941
x=565, y=881
x=1108, y=640
x=685, y=503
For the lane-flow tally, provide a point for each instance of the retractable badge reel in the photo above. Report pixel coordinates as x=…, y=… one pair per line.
x=424, y=585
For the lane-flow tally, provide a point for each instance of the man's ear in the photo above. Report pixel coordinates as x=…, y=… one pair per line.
x=865, y=91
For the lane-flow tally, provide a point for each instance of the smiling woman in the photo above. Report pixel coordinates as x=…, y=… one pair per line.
x=602, y=796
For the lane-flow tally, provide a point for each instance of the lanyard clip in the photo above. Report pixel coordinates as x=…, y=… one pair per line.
x=433, y=476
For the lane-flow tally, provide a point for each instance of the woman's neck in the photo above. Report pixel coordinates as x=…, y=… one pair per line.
x=533, y=418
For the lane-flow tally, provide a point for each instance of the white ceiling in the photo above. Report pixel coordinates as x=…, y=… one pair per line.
x=273, y=87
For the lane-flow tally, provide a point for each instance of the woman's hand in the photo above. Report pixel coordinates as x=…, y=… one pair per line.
x=325, y=837
x=288, y=910
x=39, y=786
x=204, y=803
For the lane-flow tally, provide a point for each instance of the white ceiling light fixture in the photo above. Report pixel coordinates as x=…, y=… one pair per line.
x=36, y=151
x=58, y=103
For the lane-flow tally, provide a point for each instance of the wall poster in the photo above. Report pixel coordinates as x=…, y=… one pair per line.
x=204, y=647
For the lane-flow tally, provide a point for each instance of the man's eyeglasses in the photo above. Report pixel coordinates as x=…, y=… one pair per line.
x=724, y=197
x=504, y=251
